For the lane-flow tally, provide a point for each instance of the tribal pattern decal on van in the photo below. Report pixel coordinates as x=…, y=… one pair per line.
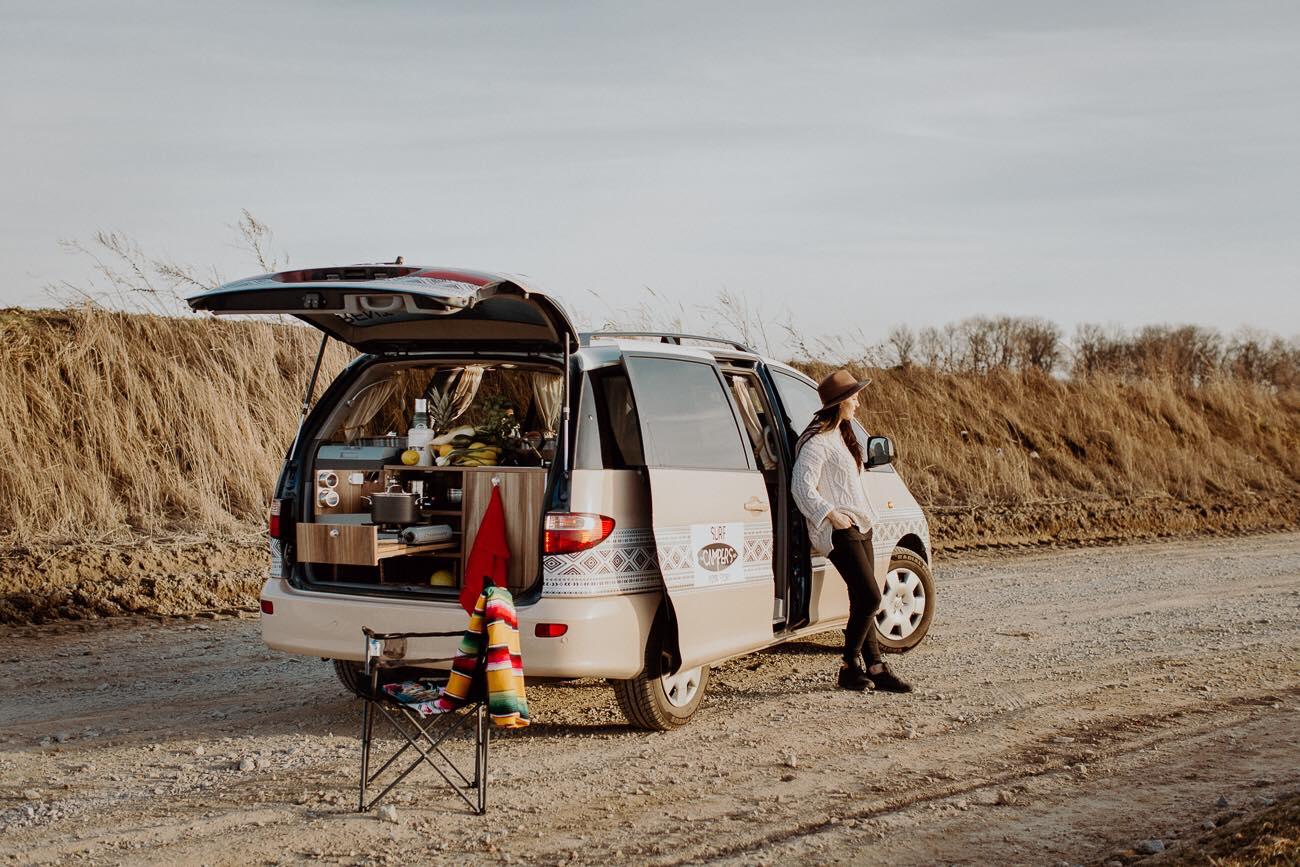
x=277, y=560
x=627, y=562
x=887, y=533
x=623, y=563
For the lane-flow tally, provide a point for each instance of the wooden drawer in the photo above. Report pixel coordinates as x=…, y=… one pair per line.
x=348, y=544
x=355, y=545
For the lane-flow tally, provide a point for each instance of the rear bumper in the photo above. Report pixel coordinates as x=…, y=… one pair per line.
x=606, y=635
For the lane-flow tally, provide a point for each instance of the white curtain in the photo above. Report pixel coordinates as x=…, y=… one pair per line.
x=467, y=384
x=366, y=406
x=548, y=392
x=749, y=413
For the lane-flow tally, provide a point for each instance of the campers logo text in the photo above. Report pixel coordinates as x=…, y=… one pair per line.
x=717, y=556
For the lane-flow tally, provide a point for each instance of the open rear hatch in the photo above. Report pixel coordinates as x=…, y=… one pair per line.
x=393, y=310
x=397, y=309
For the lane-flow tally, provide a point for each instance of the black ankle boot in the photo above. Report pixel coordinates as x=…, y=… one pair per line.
x=885, y=680
x=854, y=677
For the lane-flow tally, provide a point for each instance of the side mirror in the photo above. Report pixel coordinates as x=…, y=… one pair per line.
x=880, y=451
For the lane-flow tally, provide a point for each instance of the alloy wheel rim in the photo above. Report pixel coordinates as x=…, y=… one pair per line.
x=680, y=688
x=902, y=604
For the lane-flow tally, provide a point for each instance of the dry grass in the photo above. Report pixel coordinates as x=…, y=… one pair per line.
x=119, y=424
x=116, y=425
x=1008, y=437
x=1265, y=838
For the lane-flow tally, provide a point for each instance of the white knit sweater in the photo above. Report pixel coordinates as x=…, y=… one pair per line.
x=827, y=477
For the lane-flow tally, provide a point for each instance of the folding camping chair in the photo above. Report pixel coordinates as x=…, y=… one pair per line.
x=425, y=735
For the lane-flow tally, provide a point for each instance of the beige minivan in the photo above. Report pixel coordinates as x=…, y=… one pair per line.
x=643, y=480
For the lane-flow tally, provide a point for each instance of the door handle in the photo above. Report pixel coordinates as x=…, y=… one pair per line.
x=755, y=504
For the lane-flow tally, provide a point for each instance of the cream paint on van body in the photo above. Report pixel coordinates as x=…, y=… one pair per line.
x=628, y=562
x=894, y=514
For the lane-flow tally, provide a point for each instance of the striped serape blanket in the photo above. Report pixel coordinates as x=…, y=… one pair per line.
x=493, y=620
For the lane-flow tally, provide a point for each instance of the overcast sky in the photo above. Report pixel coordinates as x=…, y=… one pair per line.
x=855, y=164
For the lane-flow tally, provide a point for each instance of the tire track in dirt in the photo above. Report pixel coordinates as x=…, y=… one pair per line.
x=1037, y=663
x=1218, y=716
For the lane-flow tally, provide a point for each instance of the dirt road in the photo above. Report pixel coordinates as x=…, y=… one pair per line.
x=1071, y=705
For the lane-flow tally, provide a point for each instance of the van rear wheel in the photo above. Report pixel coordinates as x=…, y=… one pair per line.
x=662, y=702
x=350, y=675
x=907, y=603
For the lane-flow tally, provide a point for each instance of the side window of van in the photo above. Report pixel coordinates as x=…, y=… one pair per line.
x=620, y=429
x=687, y=415
x=799, y=398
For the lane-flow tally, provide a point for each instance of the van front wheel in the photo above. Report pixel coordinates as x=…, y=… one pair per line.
x=663, y=701
x=907, y=603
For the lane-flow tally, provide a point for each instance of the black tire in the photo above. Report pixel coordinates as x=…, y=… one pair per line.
x=890, y=639
x=646, y=704
x=350, y=675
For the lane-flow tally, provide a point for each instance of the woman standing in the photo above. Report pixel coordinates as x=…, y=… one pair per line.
x=828, y=490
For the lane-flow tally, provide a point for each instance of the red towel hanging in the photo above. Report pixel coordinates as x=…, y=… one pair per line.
x=490, y=556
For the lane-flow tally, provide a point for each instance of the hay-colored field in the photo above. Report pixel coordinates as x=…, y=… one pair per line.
x=129, y=442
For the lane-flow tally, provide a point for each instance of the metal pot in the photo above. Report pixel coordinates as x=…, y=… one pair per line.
x=394, y=507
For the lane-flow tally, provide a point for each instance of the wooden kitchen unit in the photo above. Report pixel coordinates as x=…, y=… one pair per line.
x=522, y=492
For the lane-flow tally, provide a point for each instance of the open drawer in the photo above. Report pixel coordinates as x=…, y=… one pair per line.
x=353, y=545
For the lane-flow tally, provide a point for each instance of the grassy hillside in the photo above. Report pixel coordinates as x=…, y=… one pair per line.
x=1012, y=437
x=119, y=424
x=127, y=437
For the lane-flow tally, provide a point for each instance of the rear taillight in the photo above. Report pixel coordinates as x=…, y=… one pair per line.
x=268, y=607
x=273, y=525
x=550, y=630
x=567, y=532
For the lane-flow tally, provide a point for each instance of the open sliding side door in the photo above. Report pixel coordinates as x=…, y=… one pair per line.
x=709, y=506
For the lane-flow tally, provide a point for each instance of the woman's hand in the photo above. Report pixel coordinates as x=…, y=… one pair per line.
x=839, y=520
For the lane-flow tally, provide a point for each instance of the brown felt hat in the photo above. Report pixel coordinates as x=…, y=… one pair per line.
x=838, y=387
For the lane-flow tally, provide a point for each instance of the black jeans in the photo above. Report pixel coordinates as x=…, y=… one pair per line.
x=854, y=557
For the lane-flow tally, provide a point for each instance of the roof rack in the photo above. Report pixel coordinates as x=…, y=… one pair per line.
x=664, y=337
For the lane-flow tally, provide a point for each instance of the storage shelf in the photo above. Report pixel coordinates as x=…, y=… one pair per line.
x=397, y=548
x=522, y=492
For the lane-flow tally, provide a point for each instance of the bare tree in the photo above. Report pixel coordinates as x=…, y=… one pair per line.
x=1039, y=345
x=902, y=344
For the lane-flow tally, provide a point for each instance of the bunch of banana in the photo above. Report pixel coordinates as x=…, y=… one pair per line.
x=458, y=448
x=475, y=454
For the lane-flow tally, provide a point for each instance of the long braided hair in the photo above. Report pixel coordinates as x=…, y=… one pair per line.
x=823, y=420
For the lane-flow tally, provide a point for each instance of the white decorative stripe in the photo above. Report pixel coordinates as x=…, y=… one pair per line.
x=628, y=561
x=623, y=563
x=888, y=530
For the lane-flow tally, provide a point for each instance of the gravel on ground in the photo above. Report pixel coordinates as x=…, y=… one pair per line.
x=1076, y=706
